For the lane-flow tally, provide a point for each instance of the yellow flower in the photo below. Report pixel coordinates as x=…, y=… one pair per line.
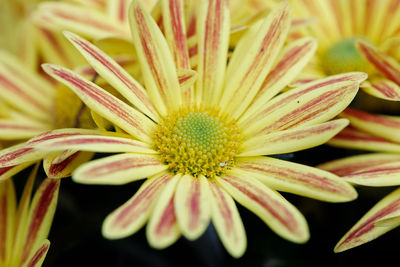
x=199, y=135
x=24, y=229
x=356, y=35
x=378, y=133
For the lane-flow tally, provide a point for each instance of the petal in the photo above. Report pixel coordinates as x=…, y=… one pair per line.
x=349, y=165
x=22, y=96
x=387, y=174
x=115, y=75
x=17, y=154
x=309, y=104
x=387, y=127
x=11, y=129
x=95, y=143
x=40, y=215
x=283, y=218
x=253, y=59
x=385, y=64
x=227, y=221
x=383, y=88
x=118, y=10
x=213, y=28
x=56, y=169
x=297, y=178
x=7, y=219
x=365, y=229
x=38, y=254
x=130, y=217
x=292, y=61
x=118, y=169
x=187, y=78
x=7, y=172
x=85, y=21
x=162, y=229
x=192, y=206
x=356, y=139
x=292, y=140
x=157, y=64
x=104, y=103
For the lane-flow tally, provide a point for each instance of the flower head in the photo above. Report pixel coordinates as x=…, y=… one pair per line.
x=24, y=229
x=198, y=135
x=356, y=36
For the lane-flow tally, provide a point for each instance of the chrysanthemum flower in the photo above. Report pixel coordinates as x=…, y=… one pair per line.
x=356, y=36
x=200, y=143
x=378, y=133
x=24, y=228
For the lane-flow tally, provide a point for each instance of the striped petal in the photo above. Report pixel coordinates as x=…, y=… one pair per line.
x=7, y=219
x=227, y=221
x=309, y=104
x=292, y=140
x=158, y=68
x=387, y=174
x=118, y=169
x=387, y=127
x=383, y=88
x=292, y=61
x=40, y=215
x=118, y=10
x=389, y=67
x=365, y=229
x=356, y=139
x=349, y=165
x=21, y=95
x=213, y=28
x=192, y=206
x=18, y=154
x=130, y=217
x=11, y=129
x=7, y=172
x=103, y=103
x=56, y=168
x=95, y=143
x=283, y=218
x=115, y=75
x=162, y=229
x=85, y=21
x=297, y=178
x=38, y=255
x=253, y=59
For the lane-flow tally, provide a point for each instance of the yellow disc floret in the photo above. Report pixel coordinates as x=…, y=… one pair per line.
x=197, y=141
x=344, y=57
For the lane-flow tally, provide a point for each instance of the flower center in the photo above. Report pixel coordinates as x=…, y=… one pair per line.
x=197, y=141
x=69, y=111
x=344, y=57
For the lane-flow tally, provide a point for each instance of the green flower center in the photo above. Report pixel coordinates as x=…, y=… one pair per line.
x=344, y=57
x=197, y=141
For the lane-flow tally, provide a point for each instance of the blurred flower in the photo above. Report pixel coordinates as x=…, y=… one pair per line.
x=198, y=136
x=24, y=229
x=378, y=133
x=356, y=35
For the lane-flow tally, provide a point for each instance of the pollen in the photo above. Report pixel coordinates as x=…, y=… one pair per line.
x=343, y=56
x=198, y=141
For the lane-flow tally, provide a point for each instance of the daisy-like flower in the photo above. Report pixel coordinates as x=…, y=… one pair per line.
x=356, y=36
x=378, y=133
x=24, y=228
x=199, y=138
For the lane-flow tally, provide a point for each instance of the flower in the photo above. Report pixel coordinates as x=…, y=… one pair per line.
x=199, y=135
x=378, y=133
x=356, y=36
x=24, y=229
